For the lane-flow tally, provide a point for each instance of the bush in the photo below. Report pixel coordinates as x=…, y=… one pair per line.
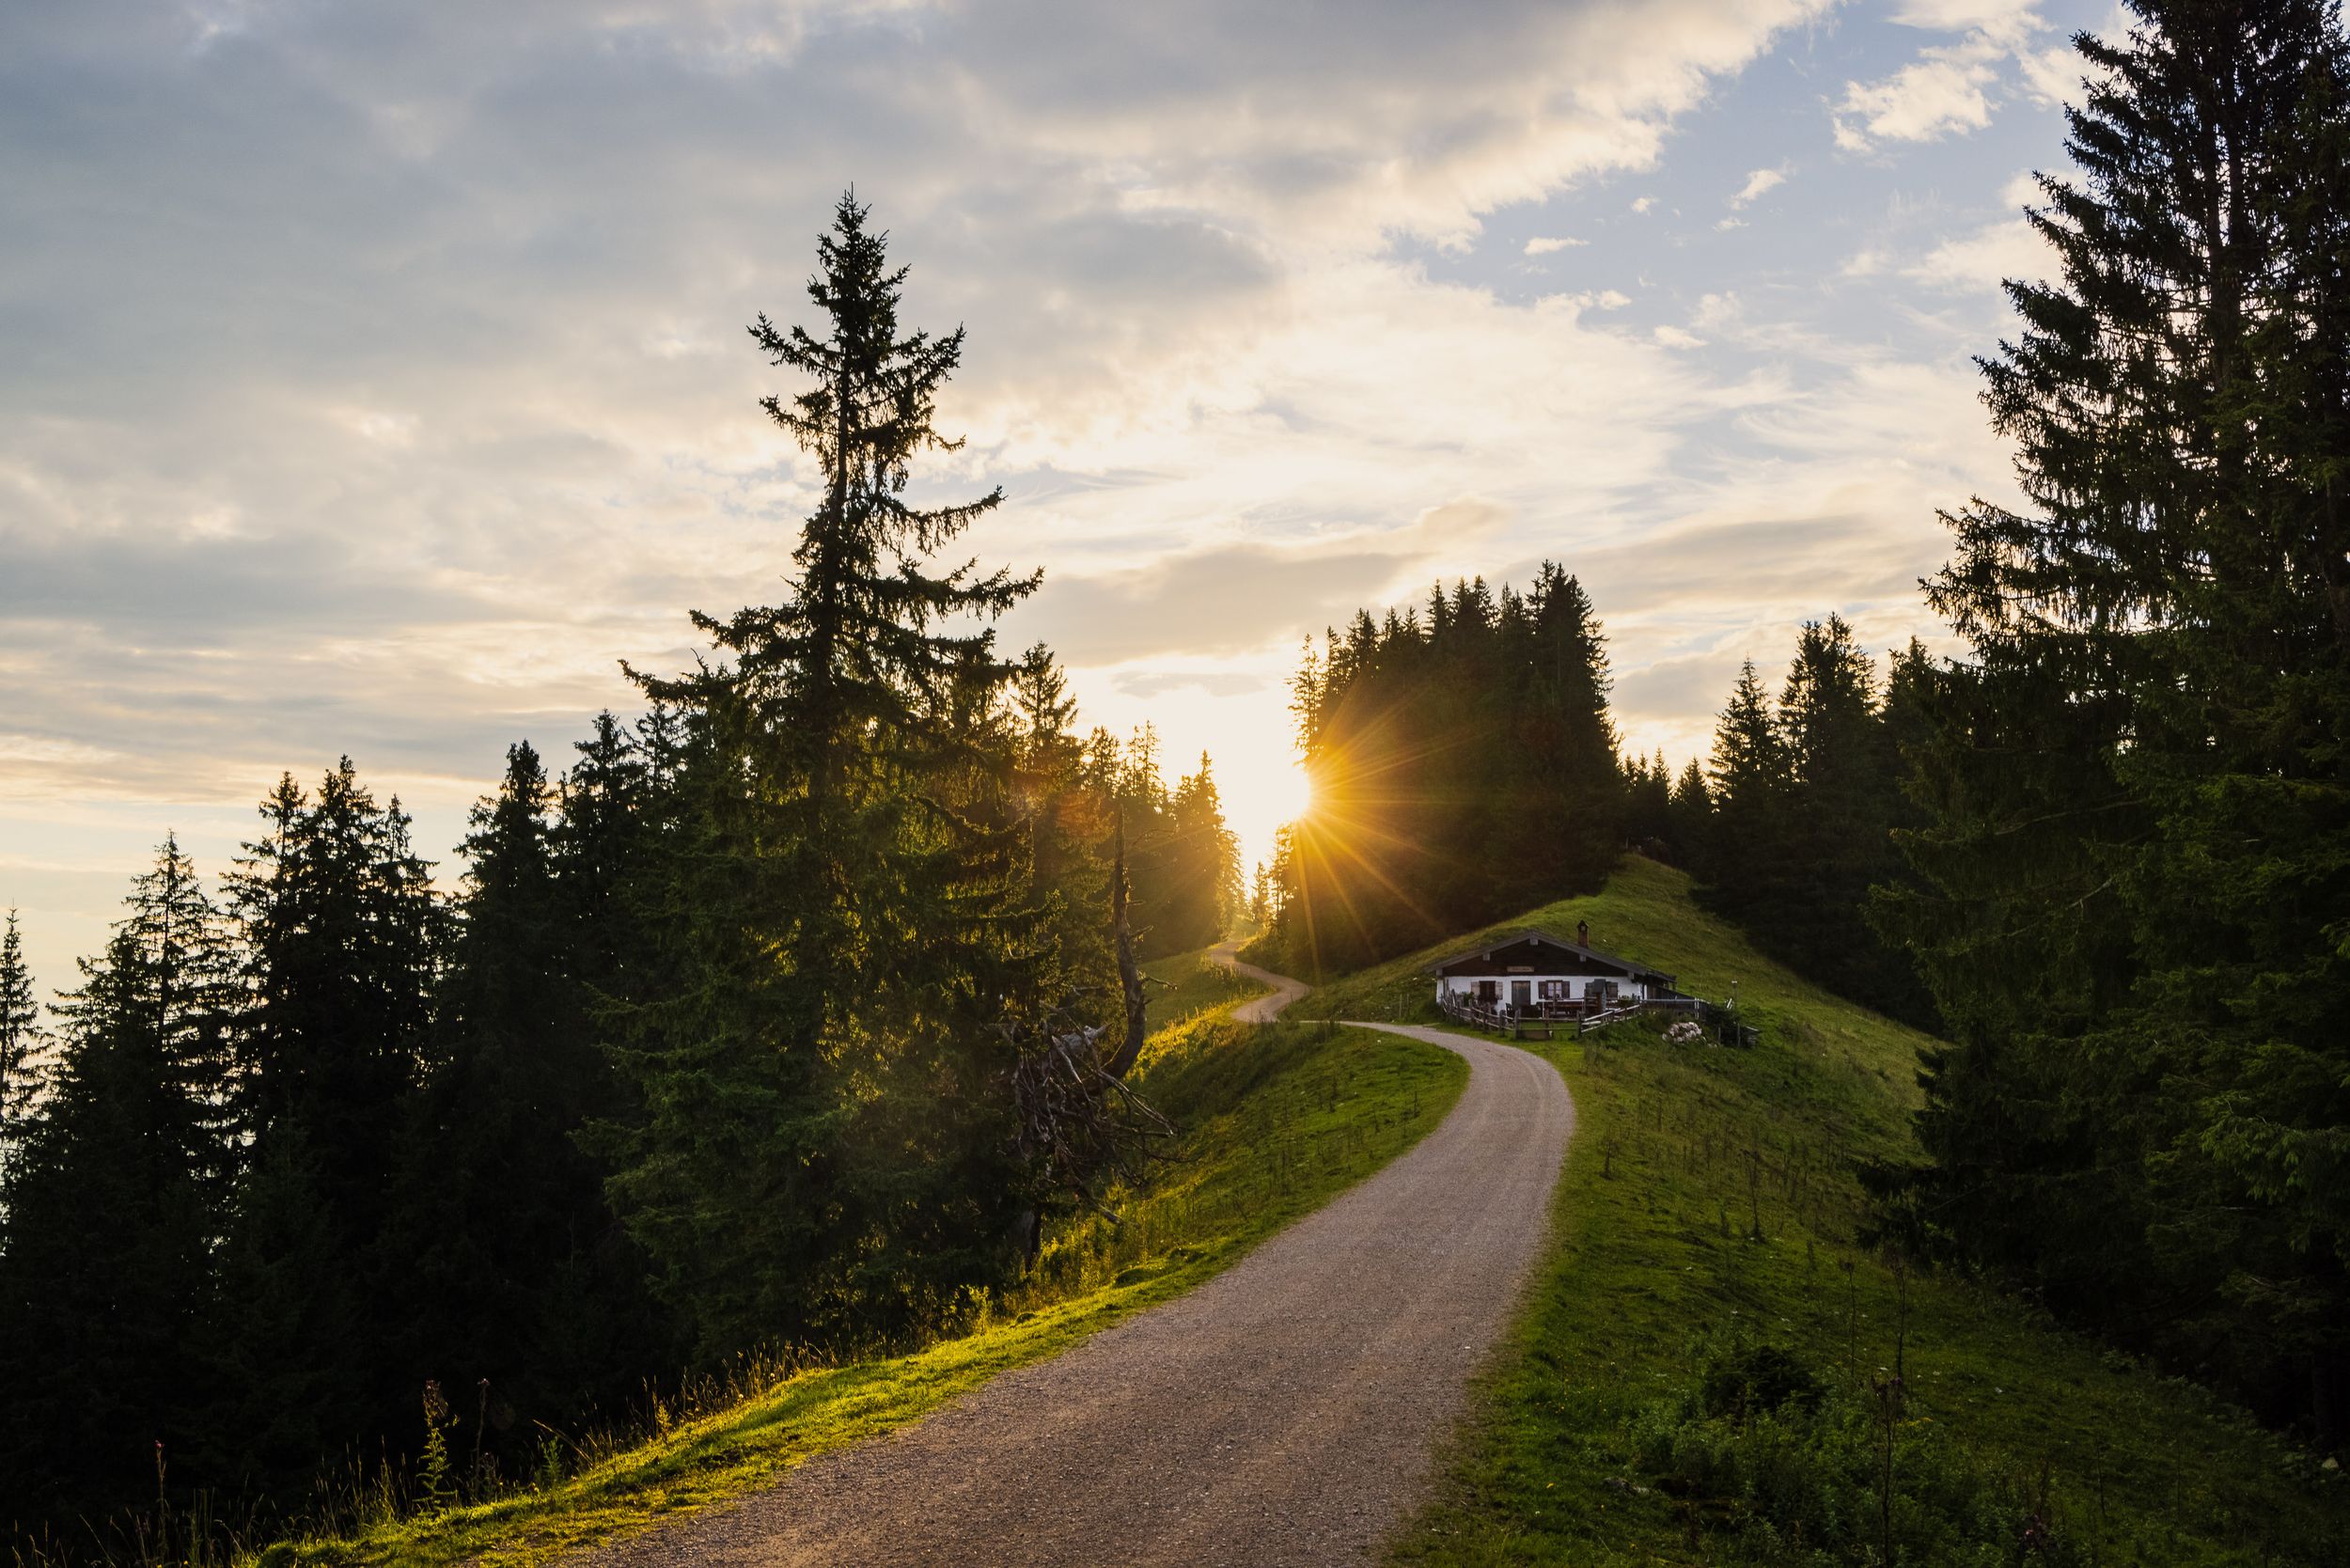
x=1758, y=1381
x=1782, y=1469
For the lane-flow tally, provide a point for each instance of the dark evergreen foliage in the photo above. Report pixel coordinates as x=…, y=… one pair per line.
x=24, y=1054
x=2135, y=786
x=729, y=1038
x=851, y=950
x=1184, y=860
x=1464, y=767
x=108, y=1306
x=341, y=938
x=508, y=1266
x=1793, y=824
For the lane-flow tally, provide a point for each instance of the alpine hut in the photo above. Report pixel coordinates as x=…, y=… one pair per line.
x=1535, y=973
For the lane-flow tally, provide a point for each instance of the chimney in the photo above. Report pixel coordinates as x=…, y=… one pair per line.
x=1582, y=933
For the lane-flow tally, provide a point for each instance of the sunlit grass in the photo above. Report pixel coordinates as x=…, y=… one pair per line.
x=1189, y=984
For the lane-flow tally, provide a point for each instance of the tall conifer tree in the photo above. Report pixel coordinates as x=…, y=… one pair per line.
x=1748, y=777
x=108, y=1305
x=824, y=1135
x=341, y=936
x=22, y=1053
x=520, y=1291
x=1463, y=766
x=2136, y=790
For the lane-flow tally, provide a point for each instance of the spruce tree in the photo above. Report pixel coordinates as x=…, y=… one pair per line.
x=1793, y=831
x=1689, y=816
x=1464, y=767
x=1578, y=756
x=1198, y=864
x=1647, y=789
x=861, y=649
x=825, y=1084
x=22, y=1054
x=517, y=1292
x=1839, y=800
x=1748, y=778
x=606, y=833
x=341, y=937
x=1070, y=813
x=108, y=1300
x=2136, y=801
x=1041, y=699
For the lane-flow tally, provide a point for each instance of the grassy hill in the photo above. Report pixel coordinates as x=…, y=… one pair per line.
x=1701, y=1374
x=1276, y=1121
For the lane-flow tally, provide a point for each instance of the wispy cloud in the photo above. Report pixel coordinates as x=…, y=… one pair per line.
x=1935, y=96
x=1951, y=90
x=1760, y=182
x=376, y=379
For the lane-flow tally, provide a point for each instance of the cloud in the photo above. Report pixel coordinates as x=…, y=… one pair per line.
x=1759, y=183
x=1983, y=258
x=1544, y=245
x=1214, y=683
x=2054, y=75
x=1685, y=684
x=1929, y=97
x=1760, y=561
x=1987, y=257
x=1229, y=600
x=1243, y=596
x=1953, y=88
x=377, y=380
x=2000, y=18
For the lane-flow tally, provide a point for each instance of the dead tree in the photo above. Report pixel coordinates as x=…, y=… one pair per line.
x=1081, y=1125
x=1129, y=977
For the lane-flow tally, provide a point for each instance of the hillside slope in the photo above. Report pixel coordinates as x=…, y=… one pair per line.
x=1277, y=1120
x=1705, y=1372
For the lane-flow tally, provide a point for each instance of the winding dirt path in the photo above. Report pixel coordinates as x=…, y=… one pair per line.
x=1262, y=1010
x=1286, y=1412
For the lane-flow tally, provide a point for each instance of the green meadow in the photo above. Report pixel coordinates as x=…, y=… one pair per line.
x=1703, y=1371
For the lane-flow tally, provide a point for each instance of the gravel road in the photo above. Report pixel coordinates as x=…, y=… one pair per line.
x=1285, y=1412
x=1262, y=1010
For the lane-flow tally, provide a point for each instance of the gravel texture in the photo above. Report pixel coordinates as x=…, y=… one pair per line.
x=1262, y=1010
x=1285, y=1412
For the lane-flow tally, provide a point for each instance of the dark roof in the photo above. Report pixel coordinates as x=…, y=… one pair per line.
x=1536, y=934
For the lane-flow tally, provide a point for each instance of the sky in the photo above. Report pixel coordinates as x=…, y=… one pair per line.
x=375, y=376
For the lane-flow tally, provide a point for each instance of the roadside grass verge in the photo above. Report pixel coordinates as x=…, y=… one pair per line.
x=1706, y=1228
x=1187, y=984
x=1277, y=1120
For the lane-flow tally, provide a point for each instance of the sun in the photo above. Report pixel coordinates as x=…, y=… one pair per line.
x=1288, y=792
x=1263, y=791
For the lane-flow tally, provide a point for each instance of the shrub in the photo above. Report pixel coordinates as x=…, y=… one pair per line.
x=1780, y=1467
